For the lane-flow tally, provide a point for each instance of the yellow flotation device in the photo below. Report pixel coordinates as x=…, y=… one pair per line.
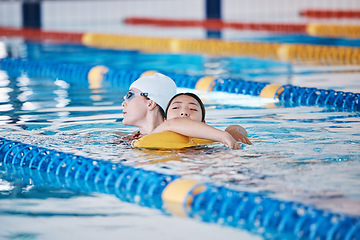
x=169, y=140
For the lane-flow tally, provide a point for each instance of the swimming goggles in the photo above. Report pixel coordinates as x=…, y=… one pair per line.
x=131, y=94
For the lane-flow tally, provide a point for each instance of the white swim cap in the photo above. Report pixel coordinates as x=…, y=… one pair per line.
x=159, y=87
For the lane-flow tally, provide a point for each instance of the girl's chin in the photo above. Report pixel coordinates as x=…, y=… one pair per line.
x=127, y=122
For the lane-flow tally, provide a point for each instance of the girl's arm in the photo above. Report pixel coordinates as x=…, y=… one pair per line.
x=197, y=129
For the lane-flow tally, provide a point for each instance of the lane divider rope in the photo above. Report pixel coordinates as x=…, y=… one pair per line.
x=297, y=53
x=97, y=76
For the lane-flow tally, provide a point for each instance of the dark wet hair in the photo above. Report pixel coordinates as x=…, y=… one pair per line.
x=193, y=96
x=162, y=112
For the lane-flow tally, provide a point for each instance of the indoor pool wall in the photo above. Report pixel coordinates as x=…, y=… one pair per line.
x=295, y=220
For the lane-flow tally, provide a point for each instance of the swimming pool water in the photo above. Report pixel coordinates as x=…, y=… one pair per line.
x=304, y=154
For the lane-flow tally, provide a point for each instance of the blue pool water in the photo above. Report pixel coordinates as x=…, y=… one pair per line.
x=303, y=154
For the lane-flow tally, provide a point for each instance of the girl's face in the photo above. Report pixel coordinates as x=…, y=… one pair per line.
x=184, y=106
x=134, y=108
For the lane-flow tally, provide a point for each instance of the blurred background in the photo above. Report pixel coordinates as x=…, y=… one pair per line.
x=111, y=16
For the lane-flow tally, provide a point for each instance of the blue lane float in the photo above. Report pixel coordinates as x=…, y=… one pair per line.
x=121, y=78
x=255, y=212
x=63, y=170
x=73, y=73
x=239, y=86
x=301, y=96
x=272, y=218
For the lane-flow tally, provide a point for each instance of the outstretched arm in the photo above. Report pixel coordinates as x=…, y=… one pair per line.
x=197, y=129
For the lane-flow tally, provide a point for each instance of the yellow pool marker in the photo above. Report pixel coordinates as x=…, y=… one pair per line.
x=168, y=140
x=176, y=45
x=87, y=39
x=176, y=195
x=270, y=90
x=205, y=83
x=148, y=73
x=96, y=75
x=283, y=52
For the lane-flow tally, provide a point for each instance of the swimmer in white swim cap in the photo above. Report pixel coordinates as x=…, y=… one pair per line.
x=145, y=103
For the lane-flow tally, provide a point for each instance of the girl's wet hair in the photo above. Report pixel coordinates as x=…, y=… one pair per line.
x=162, y=112
x=190, y=95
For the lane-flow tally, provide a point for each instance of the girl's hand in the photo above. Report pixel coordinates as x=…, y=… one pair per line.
x=229, y=141
x=238, y=133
